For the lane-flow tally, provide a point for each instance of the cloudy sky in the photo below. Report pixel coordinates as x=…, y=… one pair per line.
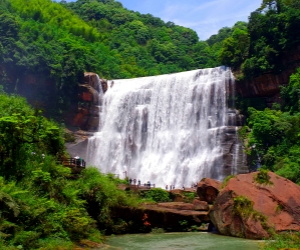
x=206, y=17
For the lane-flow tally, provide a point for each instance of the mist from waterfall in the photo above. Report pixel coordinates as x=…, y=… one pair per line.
x=165, y=129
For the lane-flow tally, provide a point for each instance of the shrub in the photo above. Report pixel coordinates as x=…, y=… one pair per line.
x=287, y=240
x=262, y=177
x=158, y=195
x=243, y=207
x=189, y=197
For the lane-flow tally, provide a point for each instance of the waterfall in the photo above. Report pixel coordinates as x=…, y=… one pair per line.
x=167, y=129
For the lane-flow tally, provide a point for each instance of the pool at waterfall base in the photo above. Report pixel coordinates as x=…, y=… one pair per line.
x=179, y=241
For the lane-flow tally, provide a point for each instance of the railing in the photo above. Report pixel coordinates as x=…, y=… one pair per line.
x=145, y=185
x=73, y=162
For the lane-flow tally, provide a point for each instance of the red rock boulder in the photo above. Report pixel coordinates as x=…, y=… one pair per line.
x=247, y=209
x=208, y=190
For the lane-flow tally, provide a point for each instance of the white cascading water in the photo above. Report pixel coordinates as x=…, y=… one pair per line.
x=164, y=129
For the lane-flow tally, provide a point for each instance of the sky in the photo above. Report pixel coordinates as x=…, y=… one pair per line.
x=206, y=17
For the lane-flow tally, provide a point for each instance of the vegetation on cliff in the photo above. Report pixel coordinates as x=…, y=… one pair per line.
x=273, y=141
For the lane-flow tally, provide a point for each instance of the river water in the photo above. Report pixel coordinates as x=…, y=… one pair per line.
x=179, y=241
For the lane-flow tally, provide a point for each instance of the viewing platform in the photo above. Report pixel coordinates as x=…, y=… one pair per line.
x=76, y=164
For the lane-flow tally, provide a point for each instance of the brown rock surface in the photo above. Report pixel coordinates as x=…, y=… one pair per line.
x=279, y=203
x=177, y=205
x=200, y=205
x=208, y=190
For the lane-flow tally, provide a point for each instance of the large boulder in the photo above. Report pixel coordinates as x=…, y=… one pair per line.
x=245, y=208
x=208, y=190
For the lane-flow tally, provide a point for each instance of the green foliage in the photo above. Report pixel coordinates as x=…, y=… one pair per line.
x=243, y=104
x=187, y=227
x=256, y=48
x=243, y=208
x=235, y=48
x=25, y=135
x=42, y=205
x=158, y=195
x=291, y=93
x=102, y=194
x=274, y=135
x=189, y=196
x=286, y=240
x=262, y=177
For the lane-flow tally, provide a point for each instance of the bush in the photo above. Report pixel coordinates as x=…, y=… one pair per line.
x=262, y=177
x=189, y=197
x=158, y=195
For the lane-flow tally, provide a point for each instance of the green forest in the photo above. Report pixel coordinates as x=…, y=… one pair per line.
x=45, y=48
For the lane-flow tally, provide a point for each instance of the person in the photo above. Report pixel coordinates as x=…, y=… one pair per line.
x=139, y=182
x=166, y=187
x=134, y=181
x=130, y=180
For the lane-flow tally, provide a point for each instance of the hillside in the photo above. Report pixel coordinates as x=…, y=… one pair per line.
x=46, y=46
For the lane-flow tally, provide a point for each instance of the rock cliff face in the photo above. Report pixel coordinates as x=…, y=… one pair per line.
x=268, y=85
x=234, y=158
x=87, y=117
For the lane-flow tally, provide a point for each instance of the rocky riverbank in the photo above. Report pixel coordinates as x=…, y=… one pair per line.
x=253, y=206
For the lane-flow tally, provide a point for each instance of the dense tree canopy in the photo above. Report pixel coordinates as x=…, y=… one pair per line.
x=272, y=29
